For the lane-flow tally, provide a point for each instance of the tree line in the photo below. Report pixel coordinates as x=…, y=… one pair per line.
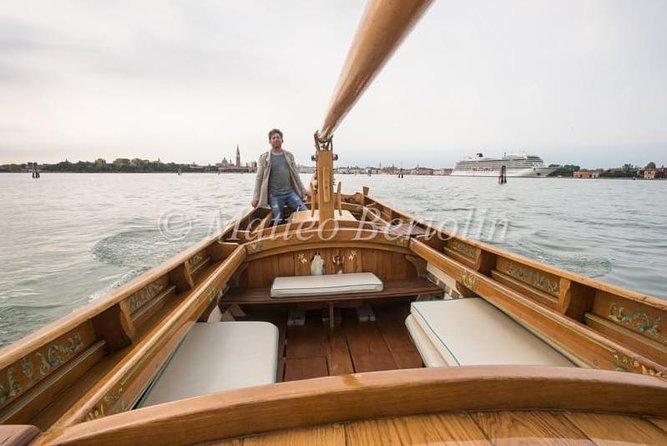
x=126, y=165
x=625, y=171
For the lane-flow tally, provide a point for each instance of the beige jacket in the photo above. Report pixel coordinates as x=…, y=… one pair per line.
x=261, y=193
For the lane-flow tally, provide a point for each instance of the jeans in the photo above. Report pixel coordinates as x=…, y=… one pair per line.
x=278, y=202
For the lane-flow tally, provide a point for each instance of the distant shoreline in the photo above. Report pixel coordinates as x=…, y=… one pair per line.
x=345, y=174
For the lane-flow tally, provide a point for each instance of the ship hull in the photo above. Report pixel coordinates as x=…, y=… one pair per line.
x=530, y=172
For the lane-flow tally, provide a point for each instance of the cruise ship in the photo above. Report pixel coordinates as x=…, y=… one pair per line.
x=516, y=165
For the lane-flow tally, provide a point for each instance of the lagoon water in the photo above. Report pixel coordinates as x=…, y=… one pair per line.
x=67, y=239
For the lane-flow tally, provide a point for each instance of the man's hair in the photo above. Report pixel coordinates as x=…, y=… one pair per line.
x=274, y=131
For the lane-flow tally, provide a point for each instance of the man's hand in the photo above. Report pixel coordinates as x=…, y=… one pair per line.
x=254, y=203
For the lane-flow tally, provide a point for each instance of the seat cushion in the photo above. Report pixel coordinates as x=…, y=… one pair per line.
x=473, y=332
x=218, y=356
x=430, y=355
x=324, y=285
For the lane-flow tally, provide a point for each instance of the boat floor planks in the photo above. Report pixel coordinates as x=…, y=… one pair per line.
x=532, y=426
x=338, y=353
x=618, y=428
x=368, y=348
x=314, y=350
x=476, y=428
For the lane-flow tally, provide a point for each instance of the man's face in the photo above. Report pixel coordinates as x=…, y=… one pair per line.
x=276, y=141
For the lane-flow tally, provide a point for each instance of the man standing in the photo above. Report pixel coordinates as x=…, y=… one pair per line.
x=278, y=183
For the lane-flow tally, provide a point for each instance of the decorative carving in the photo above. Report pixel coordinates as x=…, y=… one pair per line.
x=399, y=241
x=58, y=353
x=150, y=291
x=338, y=263
x=211, y=292
x=638, y=320
x=624, y=363
x=196, y=259
x=352, y=258
x=256, y=247
x=108, y=404
x=301, y=258
x=529, y=276
x=26, y=365
x=467, y=280
x=462, y=248
x=13, y=388
x=47, y=358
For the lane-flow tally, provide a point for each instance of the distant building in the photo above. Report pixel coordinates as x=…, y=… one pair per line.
x=194, y=166
x=442, y=171
x=652, y=174
x=306, y=169
x=421, y=171
x=228, y=167
x=588, y=174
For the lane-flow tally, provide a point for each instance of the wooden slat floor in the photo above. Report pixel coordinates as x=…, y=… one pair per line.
x=477, y=428
x=314, y=350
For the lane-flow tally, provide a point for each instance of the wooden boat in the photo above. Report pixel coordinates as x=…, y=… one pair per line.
x=154, y=363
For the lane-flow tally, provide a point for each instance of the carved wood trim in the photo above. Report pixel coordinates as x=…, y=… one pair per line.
x=123, y=385
x=534, y=293
x=575, y=340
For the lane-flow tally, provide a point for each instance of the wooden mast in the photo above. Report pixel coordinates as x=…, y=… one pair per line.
x=383, y=27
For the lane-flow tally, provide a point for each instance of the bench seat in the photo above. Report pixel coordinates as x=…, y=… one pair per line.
x=218, y=356
x=325, y=285
x=471, y=331
x=392, y=289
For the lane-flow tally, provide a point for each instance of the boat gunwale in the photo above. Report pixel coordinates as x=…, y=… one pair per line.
x=593, y=283
x=14, y=351
x=358, y=396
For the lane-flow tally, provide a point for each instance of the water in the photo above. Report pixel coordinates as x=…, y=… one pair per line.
x=67, y=239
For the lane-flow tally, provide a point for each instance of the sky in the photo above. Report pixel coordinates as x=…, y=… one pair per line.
x=573, y=81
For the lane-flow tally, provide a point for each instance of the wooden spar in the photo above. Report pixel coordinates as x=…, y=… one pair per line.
x=383, y=27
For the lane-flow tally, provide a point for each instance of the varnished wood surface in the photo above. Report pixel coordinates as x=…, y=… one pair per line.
x=446, y=235
x=477, y=428
x=409, y=288
x=387, y=265
x=618, y=428
x=603, y=325
x=397, y=393
x=578, y=342
x=384, y=25
x=314, y=350
x=308, y=216
x=534, y=427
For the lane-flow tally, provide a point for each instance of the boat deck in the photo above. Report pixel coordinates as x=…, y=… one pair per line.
x=314, y=350
x=476, y=428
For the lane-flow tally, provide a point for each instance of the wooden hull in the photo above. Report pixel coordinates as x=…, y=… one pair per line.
x=78, y=379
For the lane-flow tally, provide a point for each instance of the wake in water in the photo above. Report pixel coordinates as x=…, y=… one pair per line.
x=137, y=250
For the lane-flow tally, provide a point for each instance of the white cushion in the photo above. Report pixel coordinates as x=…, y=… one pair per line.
x=471, y=331
x=324, y=285
x=218, y=356
x=427, y=351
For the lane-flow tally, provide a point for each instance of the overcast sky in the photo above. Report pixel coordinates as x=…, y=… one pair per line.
x=572, y=81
